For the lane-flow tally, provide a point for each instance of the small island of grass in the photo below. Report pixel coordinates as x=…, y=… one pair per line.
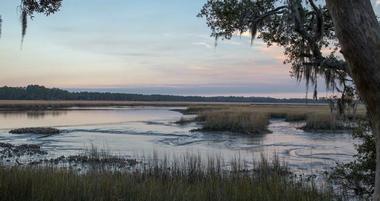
x=36, y=130
x=254, y=119
x=234, y=121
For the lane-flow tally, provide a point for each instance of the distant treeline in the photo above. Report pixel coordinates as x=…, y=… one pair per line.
x=36, y=92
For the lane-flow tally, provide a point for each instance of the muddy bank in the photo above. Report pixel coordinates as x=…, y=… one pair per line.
x=83, y=162
x=32, y=155
x=8, y=150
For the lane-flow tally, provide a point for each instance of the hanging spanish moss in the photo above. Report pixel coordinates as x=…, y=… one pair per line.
x=28, y=8
x=1, y=23
x=24, y=25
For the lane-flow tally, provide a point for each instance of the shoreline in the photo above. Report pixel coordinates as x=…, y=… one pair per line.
x=6, y=105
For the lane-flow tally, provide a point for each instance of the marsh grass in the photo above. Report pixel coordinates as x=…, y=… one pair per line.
x=326, y=122
x=321, y=122
x=234, y=121
x=255, y=118
x=184, y=179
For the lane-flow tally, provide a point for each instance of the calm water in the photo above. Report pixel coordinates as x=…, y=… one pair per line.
x=142, y=131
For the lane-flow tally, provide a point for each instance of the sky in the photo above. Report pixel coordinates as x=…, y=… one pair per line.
x=144, y=46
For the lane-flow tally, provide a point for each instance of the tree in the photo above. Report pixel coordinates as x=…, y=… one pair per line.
x=359, y=34
x=348, y=30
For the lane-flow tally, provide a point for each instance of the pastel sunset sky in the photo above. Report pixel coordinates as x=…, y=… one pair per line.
x=144, y=46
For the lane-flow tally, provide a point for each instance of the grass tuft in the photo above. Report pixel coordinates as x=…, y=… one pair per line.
x=318, y=122
x=234, y=121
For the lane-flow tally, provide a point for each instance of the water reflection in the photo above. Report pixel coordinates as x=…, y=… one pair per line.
x=42, y=114
x=31, y=114
x=80, y=116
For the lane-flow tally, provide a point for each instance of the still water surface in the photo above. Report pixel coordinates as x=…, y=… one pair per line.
x=142, y=131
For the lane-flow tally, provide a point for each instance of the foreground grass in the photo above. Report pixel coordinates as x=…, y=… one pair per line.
x=185, y=179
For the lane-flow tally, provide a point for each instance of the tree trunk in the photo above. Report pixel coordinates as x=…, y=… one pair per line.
x=358, y=32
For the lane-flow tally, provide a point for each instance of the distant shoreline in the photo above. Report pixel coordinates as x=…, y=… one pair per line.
x=60, y=104
x=35, y=97
x=36, y=92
